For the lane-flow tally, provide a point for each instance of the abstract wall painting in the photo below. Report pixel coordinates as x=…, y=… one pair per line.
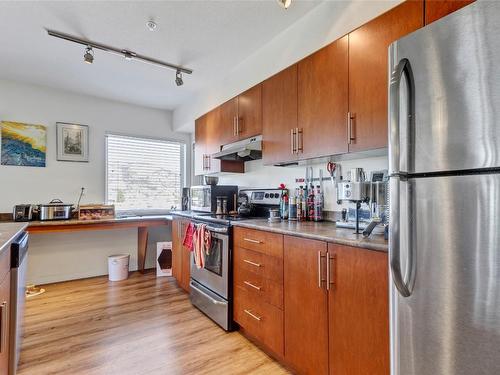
x=23, y=144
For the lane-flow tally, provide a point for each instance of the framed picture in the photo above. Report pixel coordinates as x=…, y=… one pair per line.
x=23, y=145
x=72, y=142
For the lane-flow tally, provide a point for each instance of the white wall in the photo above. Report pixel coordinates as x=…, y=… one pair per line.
x=56, y=257
x=321, y=26
x=259, y=176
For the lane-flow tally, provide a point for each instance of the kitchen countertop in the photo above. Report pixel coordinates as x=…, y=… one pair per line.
x=100, y=221
x=9, y=231
x=324, y=231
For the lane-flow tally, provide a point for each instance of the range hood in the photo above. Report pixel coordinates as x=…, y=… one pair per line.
x=244, y=150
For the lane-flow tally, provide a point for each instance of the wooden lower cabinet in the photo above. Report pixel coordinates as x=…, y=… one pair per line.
x=306, y=306
x=4, y=323
x=358, y=311
x=181, y=256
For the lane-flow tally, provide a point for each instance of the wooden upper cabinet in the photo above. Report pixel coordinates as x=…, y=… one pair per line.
x=279, y=116
x=358, y=303
x=200, y=148
x=228, y=115
x=368, y=72
x=249, y=121
x=305, y=306
x=436, y=9
x=323, y=101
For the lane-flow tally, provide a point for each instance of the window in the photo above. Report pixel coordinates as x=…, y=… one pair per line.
x=143, y=175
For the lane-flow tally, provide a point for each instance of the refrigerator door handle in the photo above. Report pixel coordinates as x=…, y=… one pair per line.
x=404, y=284
x=403, y=69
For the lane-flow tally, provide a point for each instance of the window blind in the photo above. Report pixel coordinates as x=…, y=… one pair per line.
x=143, y=174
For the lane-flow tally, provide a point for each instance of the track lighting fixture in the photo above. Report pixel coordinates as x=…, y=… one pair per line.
x=178, y=78
x=88, y=57
x=285, y=3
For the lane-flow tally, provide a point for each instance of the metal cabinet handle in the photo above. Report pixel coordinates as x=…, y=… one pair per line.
x=252, y=263
x=251, y=285
x=252, y=315
x=234, y=126
x=252, y=241
x=237, y=126
x=350, y=137
x=329, y=271
x=292, y=141
x=3, y=325
x=320, y=269
x=300, y=140
x=209, y=162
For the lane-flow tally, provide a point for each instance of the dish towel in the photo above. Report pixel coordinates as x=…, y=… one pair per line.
x=188, y=237
x=198, y=245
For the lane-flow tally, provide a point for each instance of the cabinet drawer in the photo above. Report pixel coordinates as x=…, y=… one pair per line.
x=260, y=320
x=263, y=265
x=263, y=242
x=270, y=291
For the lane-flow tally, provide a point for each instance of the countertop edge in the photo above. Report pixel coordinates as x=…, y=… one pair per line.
x=22, y=227
x=341, y=241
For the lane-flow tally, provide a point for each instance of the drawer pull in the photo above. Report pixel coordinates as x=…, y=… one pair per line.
x=3, y=325
x=251, y=285
x=252, y=263
x=253, y=315
x=252, y=241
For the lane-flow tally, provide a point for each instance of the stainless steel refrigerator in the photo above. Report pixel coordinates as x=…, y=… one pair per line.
x=444, y=161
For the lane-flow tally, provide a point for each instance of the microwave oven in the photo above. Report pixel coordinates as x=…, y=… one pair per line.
x=204, y=197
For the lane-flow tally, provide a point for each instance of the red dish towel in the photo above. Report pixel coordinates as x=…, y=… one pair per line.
x=198, y=245
x=188, y=236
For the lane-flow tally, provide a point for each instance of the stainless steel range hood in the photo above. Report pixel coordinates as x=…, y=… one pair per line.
x=244, y=150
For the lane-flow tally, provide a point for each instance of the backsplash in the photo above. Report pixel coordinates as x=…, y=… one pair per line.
x=259, y=176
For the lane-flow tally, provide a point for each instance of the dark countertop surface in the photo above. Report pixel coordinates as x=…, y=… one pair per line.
x=9, y=231
x=124, y=219
x=324, y=231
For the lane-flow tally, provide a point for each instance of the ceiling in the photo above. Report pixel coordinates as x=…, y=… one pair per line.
x=210, y=37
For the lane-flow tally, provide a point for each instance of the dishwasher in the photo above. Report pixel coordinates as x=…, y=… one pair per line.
x=18, y=268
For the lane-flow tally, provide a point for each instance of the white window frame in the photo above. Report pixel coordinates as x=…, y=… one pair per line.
x=144, y=212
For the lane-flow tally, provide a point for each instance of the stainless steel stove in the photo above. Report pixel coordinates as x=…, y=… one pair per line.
x=211, y=286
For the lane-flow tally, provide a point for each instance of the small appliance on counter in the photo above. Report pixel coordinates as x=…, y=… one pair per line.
x=259, y=203
x=24, y=212
x=55, y=210
x=204, y=198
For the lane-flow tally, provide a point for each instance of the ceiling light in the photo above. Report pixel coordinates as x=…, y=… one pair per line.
x=178, y=78
x=284, y=3
x=88, y=57
x=151, y=25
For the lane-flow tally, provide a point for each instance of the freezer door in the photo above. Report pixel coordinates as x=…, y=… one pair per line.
x=457, y=92
x=449, y=322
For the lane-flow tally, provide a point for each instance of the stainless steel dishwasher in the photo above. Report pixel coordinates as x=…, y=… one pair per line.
x=18, y=268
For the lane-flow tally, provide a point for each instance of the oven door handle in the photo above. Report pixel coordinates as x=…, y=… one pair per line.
x=214, y=301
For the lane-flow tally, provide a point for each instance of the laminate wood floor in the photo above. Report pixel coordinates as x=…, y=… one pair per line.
x=144, y=325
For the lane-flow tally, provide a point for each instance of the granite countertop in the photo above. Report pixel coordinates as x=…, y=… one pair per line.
x=324, y=231
x=9, y=231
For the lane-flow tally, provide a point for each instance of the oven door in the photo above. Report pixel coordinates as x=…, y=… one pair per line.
x=215, y=274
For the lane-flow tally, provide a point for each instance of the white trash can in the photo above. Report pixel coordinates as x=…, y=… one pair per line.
x=118, y=267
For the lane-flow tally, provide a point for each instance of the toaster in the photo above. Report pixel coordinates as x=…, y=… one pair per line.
x=23, y=212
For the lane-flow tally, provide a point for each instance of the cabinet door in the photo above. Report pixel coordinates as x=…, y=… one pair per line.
x=200, y=151
x=306, y=309
x=368, y=72
x=358, y=311
x=279, y=116
x=249, y=121
x=185, y=260
x=177, y=239
x=214, y=140
x=323, y=101
x=436, y=9
x=228, y=116
x=4, y=323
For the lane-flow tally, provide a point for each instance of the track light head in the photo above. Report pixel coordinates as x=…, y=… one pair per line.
x=178, y=78
x=285, y=3
x=88, y=57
